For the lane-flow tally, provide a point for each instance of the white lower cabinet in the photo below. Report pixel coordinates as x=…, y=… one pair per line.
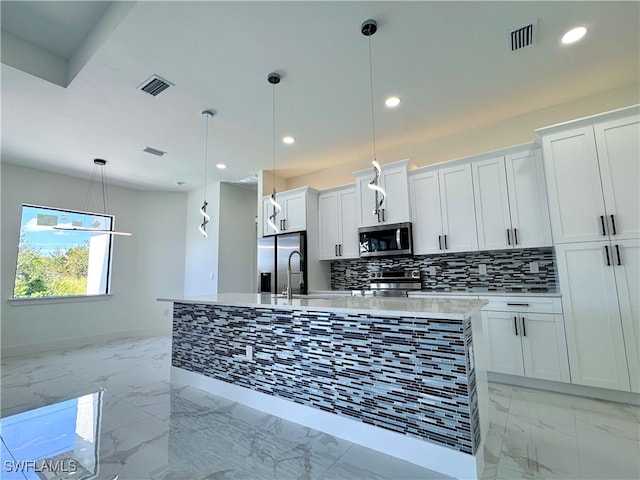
x=599, y=282
x=526, y=337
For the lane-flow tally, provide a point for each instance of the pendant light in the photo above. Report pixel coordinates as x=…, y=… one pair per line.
x=274, y=79
x=368, y=28
x=98, y=164
x=207, y=115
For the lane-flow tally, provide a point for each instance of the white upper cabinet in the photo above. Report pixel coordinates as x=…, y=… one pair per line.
x=338, y=229
x=592, y=180
x=442, y=210
x=395, y=208
x=458, y=213
x=511, y=201
x=426, y=215
x=293, y=217
x=618, y=144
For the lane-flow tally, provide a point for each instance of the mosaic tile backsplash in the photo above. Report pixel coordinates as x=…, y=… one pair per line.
x=506, y=269
x=408, y=375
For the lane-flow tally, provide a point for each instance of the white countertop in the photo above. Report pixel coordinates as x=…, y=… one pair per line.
x=457, y=309
x=483, y=292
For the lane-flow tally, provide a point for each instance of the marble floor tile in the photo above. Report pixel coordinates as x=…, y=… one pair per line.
x=143, y=426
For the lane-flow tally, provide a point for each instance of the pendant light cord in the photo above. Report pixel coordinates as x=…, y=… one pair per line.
x=274, y=136
x=373, y=119
x=206, y=154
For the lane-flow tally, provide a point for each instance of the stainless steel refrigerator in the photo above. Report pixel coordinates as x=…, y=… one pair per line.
x=273, y=255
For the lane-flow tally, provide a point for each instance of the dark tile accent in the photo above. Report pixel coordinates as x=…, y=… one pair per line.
x=408, y=375
x=506, y=269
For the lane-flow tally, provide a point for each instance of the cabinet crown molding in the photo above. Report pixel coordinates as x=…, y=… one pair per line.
x=587, y=121
x=367, y=171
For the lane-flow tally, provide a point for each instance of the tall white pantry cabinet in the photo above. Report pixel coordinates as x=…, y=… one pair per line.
x=592, y=169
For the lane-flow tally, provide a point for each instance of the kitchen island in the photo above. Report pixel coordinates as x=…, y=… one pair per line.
x=400, y=375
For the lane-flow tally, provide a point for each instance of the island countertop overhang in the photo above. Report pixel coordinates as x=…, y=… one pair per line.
x=449, y=308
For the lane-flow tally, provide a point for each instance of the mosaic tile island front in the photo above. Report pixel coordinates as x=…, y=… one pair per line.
x=408, y=372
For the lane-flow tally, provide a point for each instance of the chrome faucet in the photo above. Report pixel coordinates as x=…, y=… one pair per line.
x=289, y=292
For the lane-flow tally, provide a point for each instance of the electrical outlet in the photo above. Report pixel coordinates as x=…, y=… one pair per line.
x=482, y=269
x=167, y=312
x=249, y=352
x=432, y=271
x=211, y=276
x=534, y=267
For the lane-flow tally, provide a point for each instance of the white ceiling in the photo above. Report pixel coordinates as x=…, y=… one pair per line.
x=448, y=61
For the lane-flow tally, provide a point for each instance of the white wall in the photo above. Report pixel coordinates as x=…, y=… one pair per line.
x=230, y=249
x=434, y=146
x=146, y=265
x=201, y=254
x=237, y=250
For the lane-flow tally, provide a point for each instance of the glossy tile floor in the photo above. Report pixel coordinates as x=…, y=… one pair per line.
x=113, y=411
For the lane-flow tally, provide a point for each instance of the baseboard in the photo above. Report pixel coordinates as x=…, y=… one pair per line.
x=425, y=454
x=567, y=388
x=77, y=342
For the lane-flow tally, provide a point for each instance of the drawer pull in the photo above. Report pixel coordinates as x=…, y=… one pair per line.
x=518, y=304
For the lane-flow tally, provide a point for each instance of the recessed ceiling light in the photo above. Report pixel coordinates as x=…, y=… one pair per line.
x=392, y=102
x=574, y=35
x=221, y=166
x=288, y=140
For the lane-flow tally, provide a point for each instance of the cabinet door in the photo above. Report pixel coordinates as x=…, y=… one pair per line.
x=267, y=209
x=328, y=225
x=348, y=223
x=618, y=143
x=492, y=204
x=528, y=199
x=365, y=201
x=576, y=202
x=458, y=210
x=396, y=204
x=592, y=319
x=544, y=350
x=628, y=282
x=505, y=349
x=294, y=206
x=425, y=212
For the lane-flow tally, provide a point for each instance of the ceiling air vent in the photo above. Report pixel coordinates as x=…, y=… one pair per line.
x=522, y=36
x=154, y=151
x=154, y=85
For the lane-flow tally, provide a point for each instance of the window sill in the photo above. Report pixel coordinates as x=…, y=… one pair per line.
x=20, y=302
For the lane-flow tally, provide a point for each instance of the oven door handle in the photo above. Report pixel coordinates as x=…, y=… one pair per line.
x=398, y=239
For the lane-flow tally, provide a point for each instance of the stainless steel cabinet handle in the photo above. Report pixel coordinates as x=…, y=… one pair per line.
x=518, y=304
x=335, y=250
x=383, y=215
x=285, y=223
x=508, y=236
x=439, y=242
x=604, y=233
x=515, y=324
x=613, y=224
x=524, y=328
x=606, y=250
x=618, y=254
x=515, y=235
x=445, y=243
x=340, y=249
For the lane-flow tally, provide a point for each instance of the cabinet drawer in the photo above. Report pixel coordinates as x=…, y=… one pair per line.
x=523, y=304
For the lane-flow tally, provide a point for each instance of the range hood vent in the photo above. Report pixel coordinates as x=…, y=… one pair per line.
x=522, y=36
x=154, y=151
x=155, y=85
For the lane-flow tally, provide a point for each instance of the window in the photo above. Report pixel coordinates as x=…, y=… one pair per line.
x=54, y=262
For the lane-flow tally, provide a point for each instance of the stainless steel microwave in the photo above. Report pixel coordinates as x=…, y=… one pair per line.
x=386, y=240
